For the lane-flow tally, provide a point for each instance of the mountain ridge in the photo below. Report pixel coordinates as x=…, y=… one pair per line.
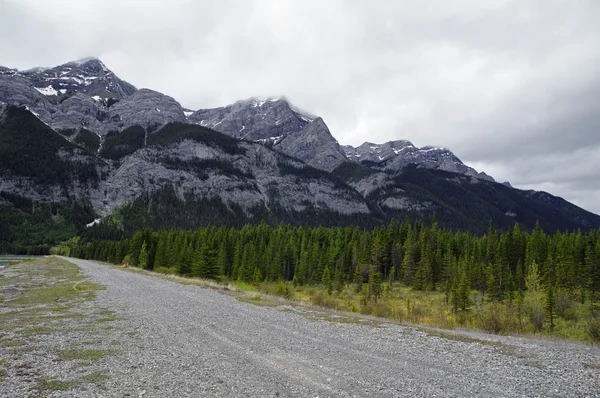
x=260, y=158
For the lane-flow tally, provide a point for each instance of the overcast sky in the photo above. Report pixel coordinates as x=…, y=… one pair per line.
x=511, y=87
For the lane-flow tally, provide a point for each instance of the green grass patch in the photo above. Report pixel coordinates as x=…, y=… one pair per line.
x=258, y=300
x=11, y=343
x=50, y=384
x=2, y=373
x=74, y=354
x=96, y=377
x=37, y=330
x=534, y=364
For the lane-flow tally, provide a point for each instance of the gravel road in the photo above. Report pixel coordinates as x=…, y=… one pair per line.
x=193, y=341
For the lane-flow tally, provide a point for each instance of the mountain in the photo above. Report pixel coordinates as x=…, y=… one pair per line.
x=87, y=76
x=394, y=156
x=40, y=164
x=314, y=145
x=254, y=118
x=86, y=94
x=93, y=146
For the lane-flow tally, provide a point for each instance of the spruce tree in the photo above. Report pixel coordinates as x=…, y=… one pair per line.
x=550, y=304
x=326, y=280
x=374, y=284
x=143, y=258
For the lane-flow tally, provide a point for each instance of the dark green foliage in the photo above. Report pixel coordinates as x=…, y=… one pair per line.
x=120, y=144
x=326, y=280
x=175, y=132
x=430, y=258
x=462, y=203
x=29, y=148
x=350, y=171
x=27, y=224
x=201, y=166
x=87, y=140
x=550, y=304
x=163, y=209
x=374, y=284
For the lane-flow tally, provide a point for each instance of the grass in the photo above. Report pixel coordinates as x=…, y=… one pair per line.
x=96, y=377
x=259, y=300
x=110, y=318
x=44, y=296
x=37, y=330
x=73, y=354
x=50, y=384
x=8, y=343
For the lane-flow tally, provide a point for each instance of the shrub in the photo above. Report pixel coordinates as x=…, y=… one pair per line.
x=497, y=318
x=592, y=329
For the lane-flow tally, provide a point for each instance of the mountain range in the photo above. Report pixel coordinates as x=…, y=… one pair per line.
x=136, y=157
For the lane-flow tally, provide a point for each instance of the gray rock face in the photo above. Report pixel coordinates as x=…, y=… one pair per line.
x=393, y=156
x=254, y=119
x=147, y=108
x=17, y=90
x=88, y=76
x=314, y=145
x=252, y=176
x=87, y=94
x=265, y=181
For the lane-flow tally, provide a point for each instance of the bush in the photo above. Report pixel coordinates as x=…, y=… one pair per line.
x=165, y=270
x=497, y=318
x=379, y=309
x=324, y=300
x=592, y=329
x=278, y=289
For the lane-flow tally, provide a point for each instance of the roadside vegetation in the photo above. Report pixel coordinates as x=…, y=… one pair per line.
x=44, y=300
x=503, y=283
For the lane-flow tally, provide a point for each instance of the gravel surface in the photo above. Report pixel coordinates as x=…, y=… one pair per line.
x=184, y=340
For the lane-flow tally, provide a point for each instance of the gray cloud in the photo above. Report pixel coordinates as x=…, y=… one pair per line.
x=511, y=87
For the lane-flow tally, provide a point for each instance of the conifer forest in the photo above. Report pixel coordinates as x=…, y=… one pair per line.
x=501, y=282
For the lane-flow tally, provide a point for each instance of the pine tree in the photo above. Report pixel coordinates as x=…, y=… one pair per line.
x=257, y=277
x=326, y=280
x=550, y=304
x=358, y=279
x=161, y=252
x=374, y=284
x=464, y=291
x=534, y=300
x=143, y=259
x=136, y=247
x=392, y=276
x=337, y=280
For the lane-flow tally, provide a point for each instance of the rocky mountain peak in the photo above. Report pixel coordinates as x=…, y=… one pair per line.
x=314, y=145
x=393, y=156
x=255, y=118
x=87, y=75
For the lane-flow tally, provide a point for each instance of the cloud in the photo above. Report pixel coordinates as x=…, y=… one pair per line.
x=511, y=86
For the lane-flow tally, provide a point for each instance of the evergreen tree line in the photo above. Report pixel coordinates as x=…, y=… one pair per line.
x=498, y=264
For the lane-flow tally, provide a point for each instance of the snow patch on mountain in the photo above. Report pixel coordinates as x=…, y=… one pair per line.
x=47, y=90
